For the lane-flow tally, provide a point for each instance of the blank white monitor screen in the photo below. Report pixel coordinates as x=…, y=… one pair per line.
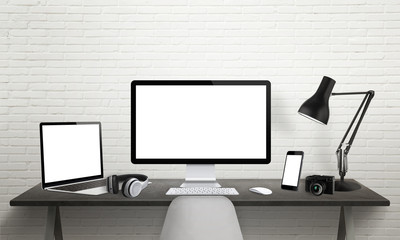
x=201, y=122
x=71, y=152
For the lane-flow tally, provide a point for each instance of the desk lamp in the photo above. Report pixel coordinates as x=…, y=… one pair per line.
x=317, y=108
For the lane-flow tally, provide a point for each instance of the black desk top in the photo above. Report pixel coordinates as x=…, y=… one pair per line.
x=154, y=195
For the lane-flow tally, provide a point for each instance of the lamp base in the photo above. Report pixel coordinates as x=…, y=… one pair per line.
x=343, y=186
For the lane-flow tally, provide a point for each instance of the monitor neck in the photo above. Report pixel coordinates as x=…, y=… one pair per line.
x=200, y=175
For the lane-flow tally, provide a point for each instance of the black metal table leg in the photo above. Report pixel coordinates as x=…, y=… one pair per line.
x=346, y=224
x=53, y=224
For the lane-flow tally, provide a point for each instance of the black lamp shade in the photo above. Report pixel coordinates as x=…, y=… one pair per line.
x=317, y=106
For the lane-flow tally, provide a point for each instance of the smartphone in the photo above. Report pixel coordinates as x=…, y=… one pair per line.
x=292, y=170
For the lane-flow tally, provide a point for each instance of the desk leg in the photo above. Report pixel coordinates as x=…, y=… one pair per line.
x=346, y=224
x=53, y=224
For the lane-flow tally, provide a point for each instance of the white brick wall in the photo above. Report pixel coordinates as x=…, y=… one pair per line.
x=74, y=60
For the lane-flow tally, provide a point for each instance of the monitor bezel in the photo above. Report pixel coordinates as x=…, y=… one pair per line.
x=135, y=160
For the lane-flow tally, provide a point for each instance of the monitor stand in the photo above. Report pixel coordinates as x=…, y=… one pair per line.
x=200, y=175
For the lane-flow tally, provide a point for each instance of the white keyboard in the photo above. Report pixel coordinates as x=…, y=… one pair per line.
x=202, y=191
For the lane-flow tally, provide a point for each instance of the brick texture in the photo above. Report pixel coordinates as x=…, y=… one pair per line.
x=74, y=61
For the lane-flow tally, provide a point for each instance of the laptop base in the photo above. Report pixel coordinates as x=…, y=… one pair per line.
x=91, y=191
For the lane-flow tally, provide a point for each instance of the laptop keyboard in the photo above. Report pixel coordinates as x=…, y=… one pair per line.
x=82, y=186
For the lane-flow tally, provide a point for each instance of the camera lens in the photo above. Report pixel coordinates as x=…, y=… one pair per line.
x=316, y=189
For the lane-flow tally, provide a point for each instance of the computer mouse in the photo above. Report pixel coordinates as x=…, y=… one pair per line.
x=261, y=190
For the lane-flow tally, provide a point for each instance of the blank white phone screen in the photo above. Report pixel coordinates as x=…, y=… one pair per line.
x=201, y=122
x=71, y=151
x=292, y=170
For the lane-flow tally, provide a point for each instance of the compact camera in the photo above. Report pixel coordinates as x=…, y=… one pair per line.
x=319, y=184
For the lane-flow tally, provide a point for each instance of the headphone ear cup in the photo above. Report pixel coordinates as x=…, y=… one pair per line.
x=126, y=186
x=135, y=188
x=123, y=187
x=131, y=188
x=110, y=184
x=114, y=184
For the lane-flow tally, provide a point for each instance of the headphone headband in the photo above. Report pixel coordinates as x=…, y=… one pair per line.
x=125, y=177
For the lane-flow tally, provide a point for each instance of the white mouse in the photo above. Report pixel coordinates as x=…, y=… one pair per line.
x=261, y=190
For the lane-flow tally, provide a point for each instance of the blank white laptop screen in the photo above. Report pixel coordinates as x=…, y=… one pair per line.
x=200, y=122
x=71, y=152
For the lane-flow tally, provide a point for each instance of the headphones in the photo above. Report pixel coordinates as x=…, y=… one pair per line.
x=132, y=184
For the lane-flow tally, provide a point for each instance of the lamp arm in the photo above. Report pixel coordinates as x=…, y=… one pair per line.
x=369, y=97
x=342, y=156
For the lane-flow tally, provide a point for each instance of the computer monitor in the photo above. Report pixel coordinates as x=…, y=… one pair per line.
x=200, y=123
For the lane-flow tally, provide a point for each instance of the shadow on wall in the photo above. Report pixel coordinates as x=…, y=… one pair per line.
x=146, y=222
x=23, y=223
x=297, y=222
x=86, y=222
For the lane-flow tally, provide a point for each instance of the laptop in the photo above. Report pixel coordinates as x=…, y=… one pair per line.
x=71, y=155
